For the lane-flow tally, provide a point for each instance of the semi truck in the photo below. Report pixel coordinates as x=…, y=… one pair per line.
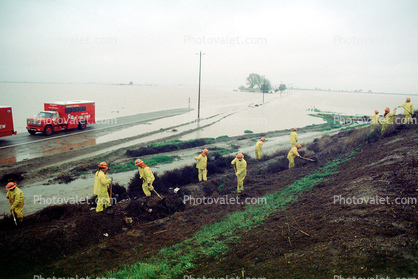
x=6, y=121
x=59, y=116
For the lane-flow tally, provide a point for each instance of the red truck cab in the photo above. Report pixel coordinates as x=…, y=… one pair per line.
x=6, y=121
x=58, y=116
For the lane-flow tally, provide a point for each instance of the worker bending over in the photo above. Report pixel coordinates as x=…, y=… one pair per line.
x=259, y=147
x=16, y=200
x=147, y=177
x=293, y=153
x=201, y=165
x=240, y=171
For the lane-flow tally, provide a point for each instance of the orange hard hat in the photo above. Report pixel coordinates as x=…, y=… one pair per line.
x=138, y=162
x=408, y=100
x=11, y=185
x=103, y=165
x=240, y=156
x=294, y=129
x=205, y=150
x=387, y=110
x=263, y=138
x=376, y=112
x=299, y=146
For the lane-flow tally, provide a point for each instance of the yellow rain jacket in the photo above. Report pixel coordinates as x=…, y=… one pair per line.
x=293, y=153
x=16, y=201
x=387, y=119
x=147, y=179
x=241, y=173
x=375, y=120
x=201, y=165
x=258, y=148
x=408, y=110
x=101, y=184
x=293, y=138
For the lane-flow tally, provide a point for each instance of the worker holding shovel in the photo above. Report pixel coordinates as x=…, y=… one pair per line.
x=147, y=177
x=259, y=147
x=293, y=137
x=240, y=171
x=16, y=200
x=408, y=109
x=293, y=153
x=201, y=165
x=101, y=184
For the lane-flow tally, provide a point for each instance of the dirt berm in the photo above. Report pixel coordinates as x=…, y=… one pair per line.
x=356, y=216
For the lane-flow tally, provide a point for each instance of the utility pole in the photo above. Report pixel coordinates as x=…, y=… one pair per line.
x=264, y=86
x=200, y=71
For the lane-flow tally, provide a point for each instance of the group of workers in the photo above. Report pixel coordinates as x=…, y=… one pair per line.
x=388, y=117
x=102, y=183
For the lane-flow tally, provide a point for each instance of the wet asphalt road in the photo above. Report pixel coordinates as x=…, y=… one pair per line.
x=25, y=146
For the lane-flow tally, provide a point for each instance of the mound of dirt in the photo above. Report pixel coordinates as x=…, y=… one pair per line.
x=311, y=238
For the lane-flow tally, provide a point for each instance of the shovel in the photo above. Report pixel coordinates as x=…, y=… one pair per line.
x=158, y=194
x=110, y=188
x=14, y=218
x=312, y=160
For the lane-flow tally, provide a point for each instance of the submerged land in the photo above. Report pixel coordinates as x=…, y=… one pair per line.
x=350, y=213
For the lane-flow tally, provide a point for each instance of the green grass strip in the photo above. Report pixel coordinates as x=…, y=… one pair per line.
x=211, y=240
x=129, y=166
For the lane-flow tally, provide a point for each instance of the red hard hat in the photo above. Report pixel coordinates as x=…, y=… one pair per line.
x=240, y=156
x=408, y=100
x=299, y=146
x=263, y=138
x=387, y=110
x=138, y=162
x=294, y=129
x=103, y=165
x=376, y=112
x=11, y=185
x=205, y=150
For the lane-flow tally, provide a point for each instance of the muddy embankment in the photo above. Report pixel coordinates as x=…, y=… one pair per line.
x=311, y=237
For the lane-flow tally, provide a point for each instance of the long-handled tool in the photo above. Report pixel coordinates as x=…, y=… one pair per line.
x=14, y=218
x=157, y=194
x=110, y=187
x=312, y=160
x=412, y=114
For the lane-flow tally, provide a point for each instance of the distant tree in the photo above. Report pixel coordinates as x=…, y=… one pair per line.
x=254, y=80
x=242, y=87
x=282, y=87
x=265, y=86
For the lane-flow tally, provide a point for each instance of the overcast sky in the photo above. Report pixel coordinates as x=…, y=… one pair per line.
x=369, y=45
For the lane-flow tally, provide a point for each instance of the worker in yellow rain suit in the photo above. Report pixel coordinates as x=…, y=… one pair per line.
x=240, y=171
x=293, y=137
x=408, y=110
x=201, y=165
x=16, y=200
x=293, y=153
x=259, y=147
x=375, y=120
x=147, y=177
x=387, y=119
x=101, y=184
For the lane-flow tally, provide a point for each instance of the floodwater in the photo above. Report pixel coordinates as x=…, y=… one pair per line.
x=223, y=112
